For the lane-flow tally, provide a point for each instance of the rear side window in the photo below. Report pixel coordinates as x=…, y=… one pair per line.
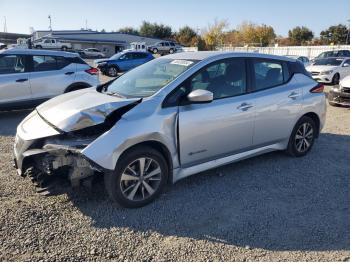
x=49, y=63
x=12, y=64
x=268, y=73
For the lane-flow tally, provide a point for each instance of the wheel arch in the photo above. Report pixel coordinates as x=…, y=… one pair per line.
x=316, y=119
x=76, y=86
x=160, y=147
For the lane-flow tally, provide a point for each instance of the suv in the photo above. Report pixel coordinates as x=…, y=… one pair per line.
x=122, y=62
x=170, y=118
x=164, y=47
x=28, y=77
x=52, y=44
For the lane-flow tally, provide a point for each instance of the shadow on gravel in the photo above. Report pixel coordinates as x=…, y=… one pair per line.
x=273, y=202
x=9, y=121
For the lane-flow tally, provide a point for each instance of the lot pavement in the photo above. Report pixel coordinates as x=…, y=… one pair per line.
x=269, y=208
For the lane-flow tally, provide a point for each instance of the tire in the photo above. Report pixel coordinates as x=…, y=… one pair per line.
x=75, y=88
x=297, y=146
x=112, y=71
x=127, y=188
x=171, y=51
x=38, y=47
x=155, y=50
x=335, y=79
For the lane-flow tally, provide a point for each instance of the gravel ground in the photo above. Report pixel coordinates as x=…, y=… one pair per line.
x=269, y=208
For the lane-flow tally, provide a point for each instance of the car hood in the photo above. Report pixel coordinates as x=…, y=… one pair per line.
x=80, y=109
x=320, y=68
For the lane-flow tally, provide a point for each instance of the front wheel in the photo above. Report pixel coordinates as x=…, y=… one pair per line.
x=302, y=137
x=335, y=79
x=64, y=48
x=155, y=50
x=112, y=71
x=171, y=51
x=139, y=177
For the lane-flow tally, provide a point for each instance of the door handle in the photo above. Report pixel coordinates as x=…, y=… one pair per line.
x=294, y=95
x=22, y=80
x=244, y=106
x=69, y=73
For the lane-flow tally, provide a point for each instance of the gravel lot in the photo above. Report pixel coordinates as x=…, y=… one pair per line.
x=269, y=208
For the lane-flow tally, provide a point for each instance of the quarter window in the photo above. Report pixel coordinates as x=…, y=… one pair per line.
x=224, y=79
x=11, y=64
x=268, y=74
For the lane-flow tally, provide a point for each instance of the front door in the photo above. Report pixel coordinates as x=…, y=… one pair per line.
x=14, y=80
x=224, y=126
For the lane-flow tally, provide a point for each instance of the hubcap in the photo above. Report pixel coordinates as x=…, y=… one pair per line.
x=304, y=137
x=140, y=179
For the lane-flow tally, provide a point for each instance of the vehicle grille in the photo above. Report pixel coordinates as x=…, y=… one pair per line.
x=315, y=73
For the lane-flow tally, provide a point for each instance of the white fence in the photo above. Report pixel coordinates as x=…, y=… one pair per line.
x=308, y=51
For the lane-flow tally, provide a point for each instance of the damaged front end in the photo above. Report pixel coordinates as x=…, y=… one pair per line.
x=50, y=140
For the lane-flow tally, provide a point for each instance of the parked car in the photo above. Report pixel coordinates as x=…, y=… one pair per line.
x=335, y=53
x=52, y=44
x=302, y=59
x=340, y=95
x=28, y=77
x=122, y=62
x=170, y=118
x=163, y=47
x=330, y=70
x=92, y=53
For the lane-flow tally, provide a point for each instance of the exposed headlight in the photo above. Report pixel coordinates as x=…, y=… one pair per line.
x=326, y=72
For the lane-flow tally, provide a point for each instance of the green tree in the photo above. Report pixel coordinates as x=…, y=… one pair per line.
x=129, y=30
x=186, y=36
x=155, y=30
x=335, y=34
x=300, y=35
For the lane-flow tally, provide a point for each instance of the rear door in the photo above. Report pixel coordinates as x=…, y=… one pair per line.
x=278, y=101
x=224, y=126
x=50, y=75
x=14, y=79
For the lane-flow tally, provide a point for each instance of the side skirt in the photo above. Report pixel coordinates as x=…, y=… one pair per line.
x=180, y=173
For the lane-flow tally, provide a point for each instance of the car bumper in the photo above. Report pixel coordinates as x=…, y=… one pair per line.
x=323, y=78
x=339, y=96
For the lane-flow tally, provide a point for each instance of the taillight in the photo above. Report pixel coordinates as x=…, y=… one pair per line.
x=92, y=71
x=317, y=89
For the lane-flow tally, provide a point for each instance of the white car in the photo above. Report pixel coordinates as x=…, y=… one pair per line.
x=93, y=53
x=330, y=70
x=28, y=77
x=303, y=59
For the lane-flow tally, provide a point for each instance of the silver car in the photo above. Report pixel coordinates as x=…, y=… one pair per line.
x=170, y=118
x=29, y=77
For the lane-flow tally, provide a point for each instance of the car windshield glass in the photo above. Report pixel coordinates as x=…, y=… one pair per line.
x=147, y=79
x=116, y=56
x=329, y=61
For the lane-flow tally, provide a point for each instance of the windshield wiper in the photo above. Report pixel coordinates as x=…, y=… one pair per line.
x=114, y=94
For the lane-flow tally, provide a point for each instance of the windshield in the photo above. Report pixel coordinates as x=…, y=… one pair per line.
x=116, y=56
x=149, y=78
x=329, y=61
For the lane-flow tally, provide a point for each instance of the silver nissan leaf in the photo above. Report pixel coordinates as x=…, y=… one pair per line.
x=170, y=118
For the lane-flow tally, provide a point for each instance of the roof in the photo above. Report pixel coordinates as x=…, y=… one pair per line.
x=20, y=51
x=203, y=55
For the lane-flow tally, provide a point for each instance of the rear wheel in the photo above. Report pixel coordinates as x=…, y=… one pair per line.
x=155, y=50
x=171, y=51
x=64, y=48
x=112, y=71
x=302, y=137
x=39, y=47
x=139, y=177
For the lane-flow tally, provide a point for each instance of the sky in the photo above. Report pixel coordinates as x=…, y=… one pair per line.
x=282, y=15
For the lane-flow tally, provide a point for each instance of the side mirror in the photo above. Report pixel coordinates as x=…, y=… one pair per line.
x=200, y=96
x=346, y=65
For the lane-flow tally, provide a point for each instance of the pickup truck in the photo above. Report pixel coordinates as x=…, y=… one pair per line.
x=52, y=44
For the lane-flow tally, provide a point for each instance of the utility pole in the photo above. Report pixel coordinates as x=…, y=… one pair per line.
x=50, y=26
x=347, y=35
x=86, y=28
x=5, y=25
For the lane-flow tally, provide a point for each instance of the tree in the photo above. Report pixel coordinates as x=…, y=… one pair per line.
x=129, y=30
x=300, y=35
x=214, y=34
x=186, y=36
x=264, y=34
x=335, y=34
x=155, y=30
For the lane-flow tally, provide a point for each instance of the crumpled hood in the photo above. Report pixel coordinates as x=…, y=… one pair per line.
x=320, y=68
x=80, y=109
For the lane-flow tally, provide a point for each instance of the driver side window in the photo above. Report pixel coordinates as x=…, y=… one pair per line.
x=225, y=78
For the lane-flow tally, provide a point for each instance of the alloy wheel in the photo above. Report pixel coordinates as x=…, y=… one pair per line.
x=304, y=137
x=140, y=179
x=112, y=71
